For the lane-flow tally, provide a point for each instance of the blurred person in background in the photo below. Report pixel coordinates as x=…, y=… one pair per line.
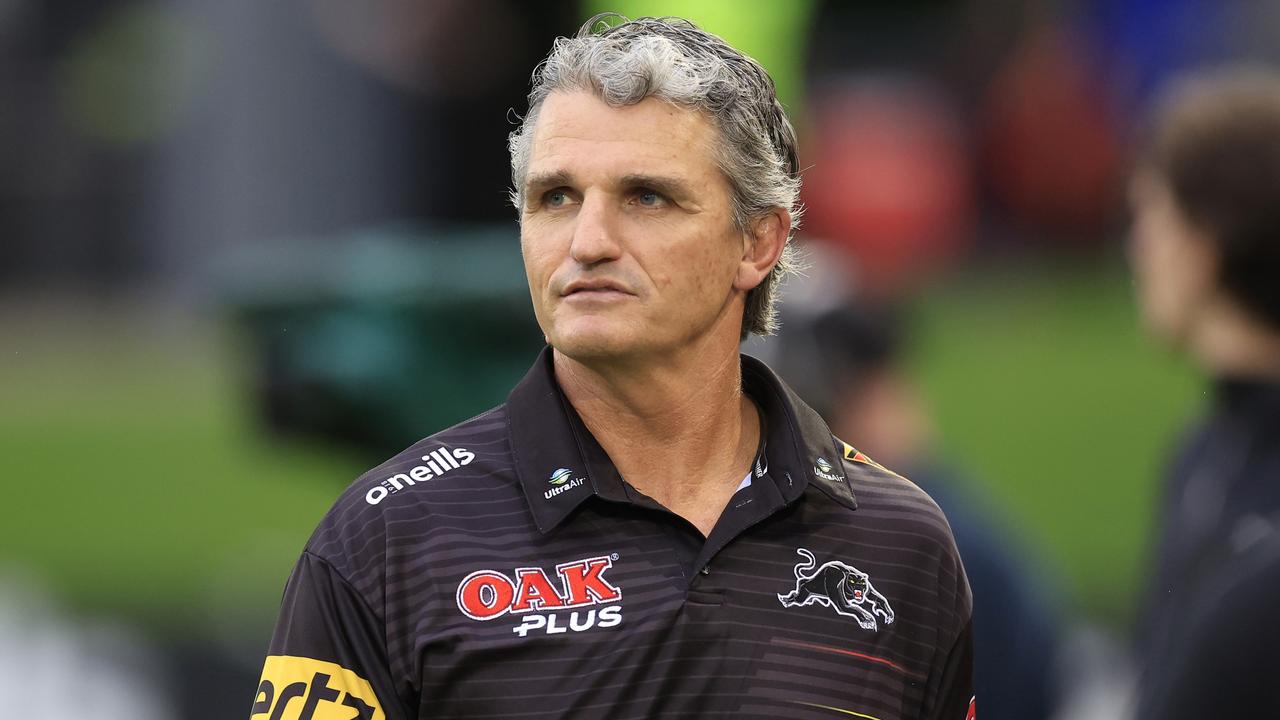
x=842, y=352
x=1206, y=257
x=656, y=179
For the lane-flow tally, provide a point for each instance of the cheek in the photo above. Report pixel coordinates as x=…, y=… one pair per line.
x=701, y=263
x=540, y=257
x=1154, y=254
x=1174, y=268
x=1171, y=278
x=1159, y=282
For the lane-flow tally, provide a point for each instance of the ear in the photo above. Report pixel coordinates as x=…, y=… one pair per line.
x=762, y=246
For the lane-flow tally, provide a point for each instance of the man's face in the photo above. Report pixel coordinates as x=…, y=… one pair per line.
x=626, y=229
x=1172, y=261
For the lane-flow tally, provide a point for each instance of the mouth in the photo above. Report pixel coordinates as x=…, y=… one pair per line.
x=595, y=290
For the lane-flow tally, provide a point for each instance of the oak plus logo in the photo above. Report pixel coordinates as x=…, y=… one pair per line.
x=434, y=464
x=580, y=597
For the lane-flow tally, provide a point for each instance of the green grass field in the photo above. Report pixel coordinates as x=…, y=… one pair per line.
x=137, y=482
x=1047, y=392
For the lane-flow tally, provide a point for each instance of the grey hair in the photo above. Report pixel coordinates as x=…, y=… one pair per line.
x=674, y=60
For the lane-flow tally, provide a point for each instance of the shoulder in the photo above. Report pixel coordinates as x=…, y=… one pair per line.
x=899, y=536
x=1244, y=591
x=1230, y=632
x=448, y=460
x=904, y=523
x=887, y=496
x=460, y=467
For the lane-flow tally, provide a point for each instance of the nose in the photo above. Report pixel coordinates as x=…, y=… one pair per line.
x=595, y=232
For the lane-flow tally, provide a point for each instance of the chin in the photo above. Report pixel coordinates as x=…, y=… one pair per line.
x=587, y=349
x=586, y=342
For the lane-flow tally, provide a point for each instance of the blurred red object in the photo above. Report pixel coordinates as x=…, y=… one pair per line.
x=1050, y=146
x=889, y=179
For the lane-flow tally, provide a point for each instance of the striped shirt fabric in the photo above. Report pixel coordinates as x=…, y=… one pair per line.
x=503, y=568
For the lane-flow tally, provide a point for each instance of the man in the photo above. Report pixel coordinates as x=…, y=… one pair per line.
x=650, y=526
x=1206, y=255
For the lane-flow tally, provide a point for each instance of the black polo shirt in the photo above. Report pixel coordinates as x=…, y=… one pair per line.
x=503, y=568
x=1210, y=625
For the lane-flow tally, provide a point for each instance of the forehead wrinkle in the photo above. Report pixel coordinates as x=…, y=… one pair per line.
x=560, y=157
x=628, y=172
x=697, y=127
x=580, y=139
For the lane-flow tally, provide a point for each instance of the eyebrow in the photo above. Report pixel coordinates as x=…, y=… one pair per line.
x=535, y=184
x=672, y=187
x=669, y=186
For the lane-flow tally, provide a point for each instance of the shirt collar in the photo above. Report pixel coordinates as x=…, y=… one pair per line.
x=560, y=465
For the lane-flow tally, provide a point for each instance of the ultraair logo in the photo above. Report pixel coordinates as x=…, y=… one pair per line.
x=486, y=595
x=823, y=469
x=562, y=480
x=841, y=587
x=437, y=463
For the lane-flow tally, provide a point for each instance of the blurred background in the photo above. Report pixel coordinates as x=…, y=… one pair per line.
x=248, y=250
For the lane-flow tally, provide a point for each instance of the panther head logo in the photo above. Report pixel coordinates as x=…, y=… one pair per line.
x=841, y=587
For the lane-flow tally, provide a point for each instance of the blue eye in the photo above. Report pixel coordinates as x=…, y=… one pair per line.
x=556, y=198
x=649, y=198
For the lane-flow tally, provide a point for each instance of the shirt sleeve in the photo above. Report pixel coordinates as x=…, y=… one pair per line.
x=951, y=690
x=954, y=698
x=328, y=657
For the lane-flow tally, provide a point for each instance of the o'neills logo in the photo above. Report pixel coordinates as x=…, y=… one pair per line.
x=486, y=595
x=561, y=480
x=437, y=463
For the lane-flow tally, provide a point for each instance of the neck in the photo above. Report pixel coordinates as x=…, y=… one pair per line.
x=1228, y=342
x=686, y=408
